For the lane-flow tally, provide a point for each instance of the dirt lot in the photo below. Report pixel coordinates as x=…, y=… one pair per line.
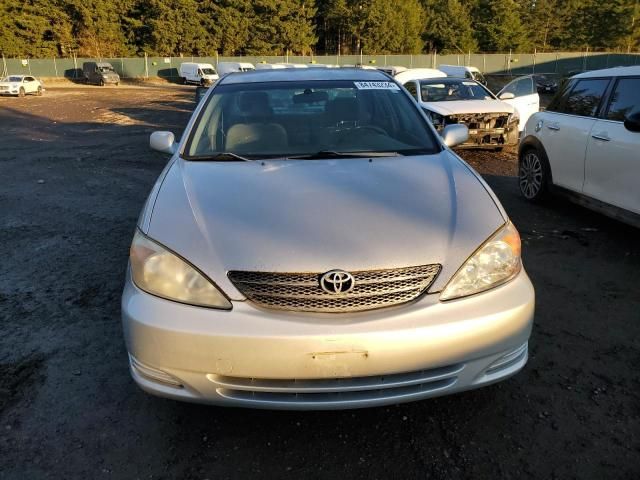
x=75, y=170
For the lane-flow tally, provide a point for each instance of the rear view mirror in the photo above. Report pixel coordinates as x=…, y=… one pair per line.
x=164, y=142
x=455, y=135
x=632, y=122
x=506, y=96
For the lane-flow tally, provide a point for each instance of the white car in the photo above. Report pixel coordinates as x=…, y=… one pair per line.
x=20, y=85
x=492, y=123
x=418, y=74
x=522, y=94
x=586, y=144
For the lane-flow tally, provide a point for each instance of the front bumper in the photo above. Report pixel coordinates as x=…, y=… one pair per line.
x=256, y=358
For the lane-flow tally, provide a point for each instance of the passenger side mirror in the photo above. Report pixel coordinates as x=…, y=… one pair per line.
x=632, y=122
x=506, y=96
x=164, y=142
x=455, y=135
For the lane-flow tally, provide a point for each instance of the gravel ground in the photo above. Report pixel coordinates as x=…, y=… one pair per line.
x=75, y=170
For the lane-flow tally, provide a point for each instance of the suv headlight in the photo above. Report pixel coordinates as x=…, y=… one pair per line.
x=160, y=272
x=497, y=261
x=514, y=118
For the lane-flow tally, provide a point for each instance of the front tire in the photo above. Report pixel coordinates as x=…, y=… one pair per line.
x=21, y=92
x=101, y=83
x=534, y=174
x=39, y=92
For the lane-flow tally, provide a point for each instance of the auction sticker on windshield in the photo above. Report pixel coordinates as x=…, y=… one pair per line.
x=376, y=86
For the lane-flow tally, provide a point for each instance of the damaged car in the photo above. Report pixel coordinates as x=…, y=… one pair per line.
x=314, y=244
x=492, y=123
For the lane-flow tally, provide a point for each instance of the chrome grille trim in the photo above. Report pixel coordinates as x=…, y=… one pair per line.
x=301, y=291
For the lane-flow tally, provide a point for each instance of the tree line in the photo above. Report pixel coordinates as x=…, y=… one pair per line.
x=116, y=28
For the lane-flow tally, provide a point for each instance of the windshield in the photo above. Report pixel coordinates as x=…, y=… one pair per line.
x=106, y=69
x=285, y=119
x=12, y=79
x=447, y=90
x=208, y=71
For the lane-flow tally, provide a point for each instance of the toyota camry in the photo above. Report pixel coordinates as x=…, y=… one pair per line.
x=314, y=243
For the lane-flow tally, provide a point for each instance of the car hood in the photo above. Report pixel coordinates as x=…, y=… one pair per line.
x=314, y=216
x=468, y=106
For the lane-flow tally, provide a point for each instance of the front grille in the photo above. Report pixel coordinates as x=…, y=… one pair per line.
x=301, y=291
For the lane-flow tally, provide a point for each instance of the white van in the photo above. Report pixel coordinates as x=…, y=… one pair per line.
x=199, y=73
x=230, y=67
x=269, y=66
x=461, y=71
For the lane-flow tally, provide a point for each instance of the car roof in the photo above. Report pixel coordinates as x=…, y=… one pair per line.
x=610, y=72
x=305, y=74
x=447, y=79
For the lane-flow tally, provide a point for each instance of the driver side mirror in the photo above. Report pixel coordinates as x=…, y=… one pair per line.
x=632, y=122
x=506, y=96
x=164, y=142
x=455, y=135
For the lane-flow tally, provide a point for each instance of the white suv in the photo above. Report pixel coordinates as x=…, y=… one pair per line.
x=587, y=144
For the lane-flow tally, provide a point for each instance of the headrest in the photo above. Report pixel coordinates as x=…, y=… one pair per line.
x=255, y=103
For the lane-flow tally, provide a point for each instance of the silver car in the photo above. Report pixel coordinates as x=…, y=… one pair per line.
x=314, y=244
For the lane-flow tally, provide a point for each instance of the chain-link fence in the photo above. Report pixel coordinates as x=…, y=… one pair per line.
x=561, y=63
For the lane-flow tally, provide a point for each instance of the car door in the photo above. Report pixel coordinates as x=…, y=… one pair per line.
x=612, y=165
x=526, y=99
x=565, y=126
x=30, y=85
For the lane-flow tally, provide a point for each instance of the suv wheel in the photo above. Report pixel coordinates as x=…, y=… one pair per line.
x=533, y=174
x=101, y=83
x=21, y=92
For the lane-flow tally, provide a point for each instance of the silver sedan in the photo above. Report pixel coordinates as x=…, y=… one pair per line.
x=313, y=243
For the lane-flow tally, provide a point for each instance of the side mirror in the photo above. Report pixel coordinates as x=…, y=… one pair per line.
x=632, y=122
x=455, y=135
x=506, y=96
x=164, y=142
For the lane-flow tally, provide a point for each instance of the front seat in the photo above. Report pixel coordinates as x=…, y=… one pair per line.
x=258, y=133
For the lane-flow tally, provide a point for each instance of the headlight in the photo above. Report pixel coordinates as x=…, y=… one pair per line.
x=436, y=118
x=497, y=261
x=160, y=272
x=514, y=118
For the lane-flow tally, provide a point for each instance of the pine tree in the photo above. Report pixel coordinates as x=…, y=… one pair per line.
x=448, y=27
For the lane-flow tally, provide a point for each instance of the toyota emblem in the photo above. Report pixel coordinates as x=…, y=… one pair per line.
x=337, y=281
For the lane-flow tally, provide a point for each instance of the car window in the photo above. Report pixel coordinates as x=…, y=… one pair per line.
x=446, y=90
x=412, y=89
x=510, y=87
x=560, y=98
x=524, y=87
x=625, y=99
x=478, y=77
x=585, y=97
x=283, y=119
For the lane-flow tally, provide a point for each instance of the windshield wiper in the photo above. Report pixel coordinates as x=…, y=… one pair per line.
x=220, y=157
x=333, y=154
